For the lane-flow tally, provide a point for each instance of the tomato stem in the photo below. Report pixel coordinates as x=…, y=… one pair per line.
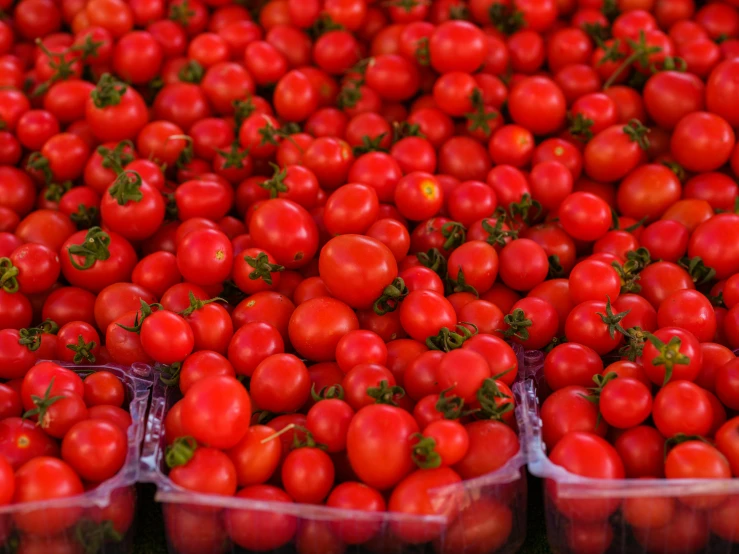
x=669, y=355
x=8, y=276
x=31, y=336
x=448, y=340
x=518, y=325
x=191, y=72
x=640, y=52
x=109, y=91
x=489, y=396
x=196, y=304
x=385, y=394
x=180, y=451
x=127, y=187
x=42, y=404
x=479, y=118
x=144, y=312
x=613, y=321
x=391, y=297
x=637, y=132
x=424, y=452
x=327, y=393
x=38, y=162
x=699, y=272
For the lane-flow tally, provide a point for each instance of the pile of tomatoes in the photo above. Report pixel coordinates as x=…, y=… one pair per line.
x=61, y=435
x=327, y=221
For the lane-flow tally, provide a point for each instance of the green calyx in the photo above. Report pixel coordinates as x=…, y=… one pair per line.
x=391, y=297
x=448, y=340
x=263, y=269
x=94, y=248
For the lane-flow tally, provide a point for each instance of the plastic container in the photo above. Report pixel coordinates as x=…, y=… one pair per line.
x=491, y=513
x=652, y=516
x=103, y=517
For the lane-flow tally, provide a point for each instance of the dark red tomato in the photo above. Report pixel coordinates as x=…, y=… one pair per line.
x=67, y=304
x=379, y=445
x=10, y=402
x=356, y=496
x=316, y=326
x=727, y=384
x=682, y=407
x=46, y=478
x=642, y=450
x=485, y=523
x=124, y=346
x=261, y=530
x=411, y=496
x=589, y=456
x=566, y=411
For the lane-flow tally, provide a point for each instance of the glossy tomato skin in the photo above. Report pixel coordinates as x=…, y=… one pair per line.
x=356, y=269
x=577, y=452
x=286, y=230
x=44, y=478
x=101, y=272
x=424, y=313
x=218, y=399
x=381, y=432
x=316, y=326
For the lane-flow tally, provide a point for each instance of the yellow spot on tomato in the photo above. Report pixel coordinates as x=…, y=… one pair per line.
x=346, y=152
x=429, y=189
x=23, y=442
x=251, y=303
x=558, y=151
x=220, y=254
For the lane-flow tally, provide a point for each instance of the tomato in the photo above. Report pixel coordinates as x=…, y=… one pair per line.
x=674, y=402
x=589, y=456
x=625, y=403
x=532, y=322
x=352, y=208
x=697, y=460
x=268, y=389
x=702, y=141
x=412, y=496
x=21, y=440
x=316, y=326
x=166, y=337
x=568, y=411
x=523, y=264
x=571, y=364
x=709, y=242
x=614, y=152
x=216, y=411
x=260, y=529
x=672, y=353
x=381, y=432
x=286, y=230
x=308, y=475
x=486, y=523
x=95, y=259
x=115, y=111
x=46, y=478
x=205, y=248
x=95, y=449
x=424, y=313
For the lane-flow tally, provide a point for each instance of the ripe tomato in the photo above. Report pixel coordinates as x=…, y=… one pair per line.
x=216, y=411
x=357, y=269
x=95, y=449
x=46, y=478
x=379, y=444
x=589, y=456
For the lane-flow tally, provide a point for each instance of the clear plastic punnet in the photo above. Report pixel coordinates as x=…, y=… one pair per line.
x=485, y=515
x=101, y=520
x=628, y=516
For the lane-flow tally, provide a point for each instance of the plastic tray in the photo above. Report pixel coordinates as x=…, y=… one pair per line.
x=687, y=531
x=101, y=510
x=195, y=522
